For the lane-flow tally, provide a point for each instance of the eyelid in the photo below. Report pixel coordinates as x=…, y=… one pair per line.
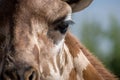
x=61, y=19
x=64, y=19
x=70, y=22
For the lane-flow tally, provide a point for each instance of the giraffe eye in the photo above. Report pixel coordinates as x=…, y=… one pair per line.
x=59, y=27
x=63, y=23
x=63, y=26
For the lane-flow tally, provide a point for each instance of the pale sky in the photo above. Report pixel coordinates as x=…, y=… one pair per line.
x=99, y=10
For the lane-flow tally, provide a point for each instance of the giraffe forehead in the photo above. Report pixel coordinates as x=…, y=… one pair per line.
x=57, y=9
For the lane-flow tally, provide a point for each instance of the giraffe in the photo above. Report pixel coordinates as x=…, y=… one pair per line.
x=36, y=44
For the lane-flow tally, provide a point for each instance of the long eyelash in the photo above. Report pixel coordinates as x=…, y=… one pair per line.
x=70, y=22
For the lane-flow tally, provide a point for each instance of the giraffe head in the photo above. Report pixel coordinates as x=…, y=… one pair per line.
x=32, y=32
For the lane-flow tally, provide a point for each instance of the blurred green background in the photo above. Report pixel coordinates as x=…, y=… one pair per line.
x=98, y=28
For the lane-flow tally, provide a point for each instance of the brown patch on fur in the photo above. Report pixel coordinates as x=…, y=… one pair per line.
x=36, y=53
x=66, y=59
x=46, y=71
x=74, y=45
x=58, y=61
x=91, y=74
x=72, y=75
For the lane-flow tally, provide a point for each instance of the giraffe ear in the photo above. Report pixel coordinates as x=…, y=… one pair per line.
x=78, y=5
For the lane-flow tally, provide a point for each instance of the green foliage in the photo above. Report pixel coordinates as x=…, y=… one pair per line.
x=114, y=36
x=103, y=43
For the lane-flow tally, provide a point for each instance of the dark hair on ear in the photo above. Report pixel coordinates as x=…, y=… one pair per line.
x=72, y=1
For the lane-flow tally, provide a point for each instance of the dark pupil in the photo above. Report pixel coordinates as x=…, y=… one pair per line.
x=62, y=27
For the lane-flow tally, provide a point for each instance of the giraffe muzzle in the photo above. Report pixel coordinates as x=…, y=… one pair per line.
x=23, y=74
